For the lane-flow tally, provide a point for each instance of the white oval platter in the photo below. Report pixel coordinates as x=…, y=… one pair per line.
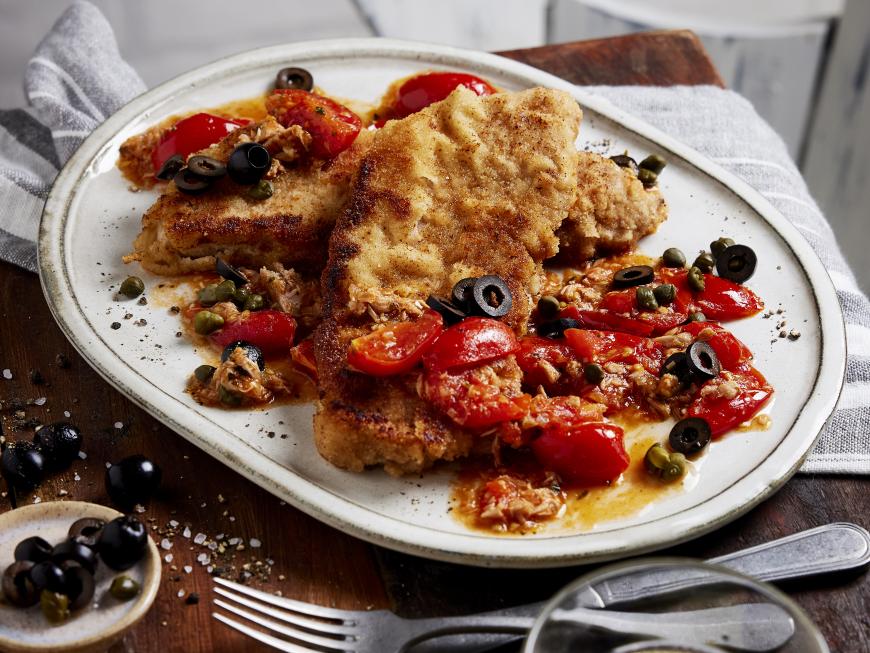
x=91, y=218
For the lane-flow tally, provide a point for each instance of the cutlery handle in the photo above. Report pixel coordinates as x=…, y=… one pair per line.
x=834, y=547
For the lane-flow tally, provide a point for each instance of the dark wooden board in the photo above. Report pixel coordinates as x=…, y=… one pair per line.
x=317, y=563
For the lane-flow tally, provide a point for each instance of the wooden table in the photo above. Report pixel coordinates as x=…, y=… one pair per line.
x=314, y=562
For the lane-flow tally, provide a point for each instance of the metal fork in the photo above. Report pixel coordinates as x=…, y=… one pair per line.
x=755, y=628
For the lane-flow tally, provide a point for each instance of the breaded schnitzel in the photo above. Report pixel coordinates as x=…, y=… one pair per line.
x=468, y=186
x=183, y=233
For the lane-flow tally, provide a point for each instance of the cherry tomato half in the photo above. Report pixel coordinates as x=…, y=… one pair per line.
x=604, y=346
x=473, y=341
x=272, y=331
x=333, y=127
x=641, y=323
x=565, y=411
x=723, y=413
x=396, y=348
x=192, y=134
x=584, y=454
x=303, y=358
x=473, y=398
x=720, y=300
x=421, y=91
x=536, y=354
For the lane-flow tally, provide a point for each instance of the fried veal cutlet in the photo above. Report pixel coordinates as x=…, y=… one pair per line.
x=183, y=233
x=612, y=211
x=468, y=186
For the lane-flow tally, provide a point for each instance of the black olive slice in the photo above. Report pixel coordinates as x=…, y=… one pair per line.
x=47, y=576
x=227, y=271
x=557, y=328
x=446, y=309
x=690, y=435
x=32, y=549
x=18, y=588
x=491, y=296
x=191, y=183
x=678, y=365
x=294, y=78
x=702, y=360
x=205, y=166
x=251, y=351
x=170, y=167
x=77, y=552
x=636, y=275
x=462, y=291
x=248, y=163
x=79, y=584
x=86, y=531
x=625, y=161
x=736, y=263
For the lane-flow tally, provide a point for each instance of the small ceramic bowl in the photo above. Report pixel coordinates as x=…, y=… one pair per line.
x=94, y=628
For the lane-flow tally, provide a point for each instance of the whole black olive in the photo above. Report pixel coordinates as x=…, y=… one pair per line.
x=703, y=361
x=491, y=297
x=133, y=480
x=22, y=465
x=690, y=435
x=446, y=309
x=294, y=78
x=170, y=167
x=191, y=183
x=18, y=588
x=461, y=293
x=248, y=163
x=736, y=263
x=122, y=542
x=227, y=271
x=59, y=443
x=636, y=275
x=33, y=549
x=77, y=552
x=557, y=328
x=251, y=351
x=79, y=584
x=47, y=576
x=86, y=531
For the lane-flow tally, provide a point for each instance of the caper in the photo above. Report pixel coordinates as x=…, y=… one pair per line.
x=720, y=245
x=225, y=290
x=705, y=262
x=594, y=373
x=124, y=588
x=55, y=606
x=262, y=190
x=656, y=458
x=695, y=279
x=203, y=373
x=653, y=163
x=208, y=295
x=229, y=397
x=647, y=177
x=673, y=258
x=697, y=316
x=132, y=287
x=675, y=469
x=665, y=294
x=241, y=296
x=646, y=298
x=207, y=322
x=254, y=303
x=548, y=307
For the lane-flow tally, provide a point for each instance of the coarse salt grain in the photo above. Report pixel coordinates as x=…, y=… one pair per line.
x=66, y=413
x=203, y=558
x=139, y=508
x=84, y=456
x=187, y=569
x=165, y=543
x=168, y=558
x=234, y=540
x=199, y=539
x=7, y=373
x=119, y=425
x=108, y=464
x=39, y=401
x=255, y=543
x=173, y=523
x=180, y=594
x=186, y=532
x=77, y=477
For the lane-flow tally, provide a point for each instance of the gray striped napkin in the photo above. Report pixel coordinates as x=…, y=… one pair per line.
x=77, y=78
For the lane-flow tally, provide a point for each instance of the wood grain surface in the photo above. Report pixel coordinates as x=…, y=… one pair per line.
x=306, y=559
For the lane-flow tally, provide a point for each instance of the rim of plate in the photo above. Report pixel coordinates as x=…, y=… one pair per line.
x=471, y=548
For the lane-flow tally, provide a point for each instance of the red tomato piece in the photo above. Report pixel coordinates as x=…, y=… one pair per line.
x=396, y=348
x=192, y=134
x=603, y=346
x=535, y=351
x=720, y=300
x=422, y=90
x=473, y=398
x=333, y=127
x=473, y=341
x=303, y=358
x=619, y=301
x=607, y=321
x=642, y=323
x=566, y=411
x=724, y=414
x=732, y=353
x=584, y=454
x=272, y=331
